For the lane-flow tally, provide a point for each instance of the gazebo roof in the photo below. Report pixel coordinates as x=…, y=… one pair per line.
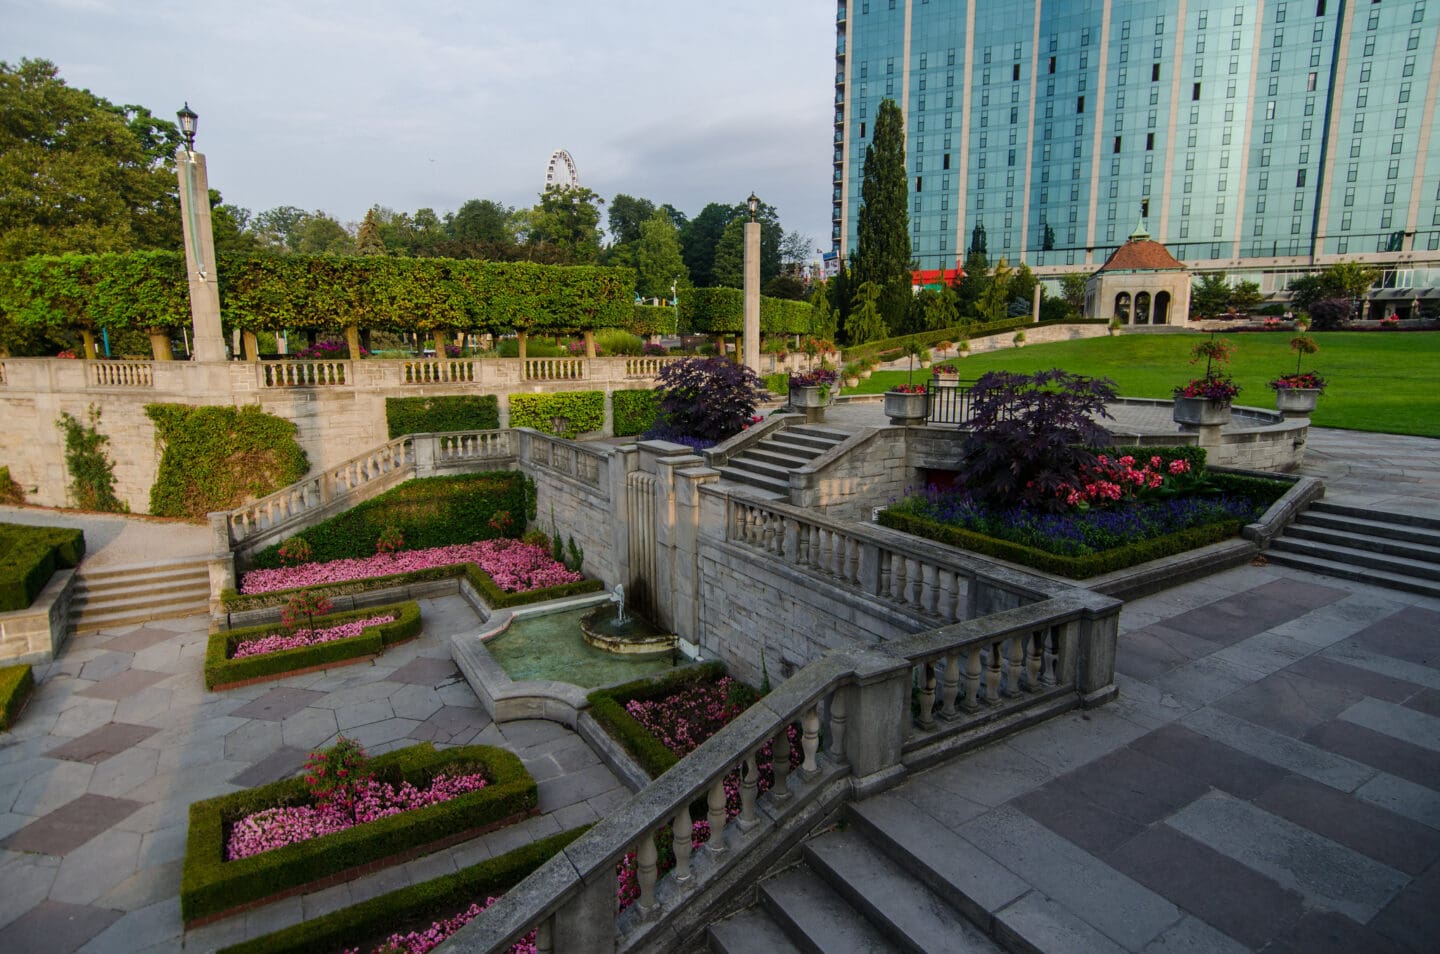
x=1141, y=254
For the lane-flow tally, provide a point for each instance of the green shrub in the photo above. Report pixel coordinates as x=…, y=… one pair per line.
x=582, y=410
x=635, y=411
x=415, y=908
x=615, y=342
x=29, y=556
x=777, y=383
x=653, y=320
x=216, y=457
x=607, y=707
x=437, y=415
x=428, y=512
x=16, y=685
x=11, y=493
x=92, y=473
x=929, y=339
x=211, y=886
x=222, y=670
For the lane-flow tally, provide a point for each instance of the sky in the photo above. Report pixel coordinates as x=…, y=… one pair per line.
x=429, y=103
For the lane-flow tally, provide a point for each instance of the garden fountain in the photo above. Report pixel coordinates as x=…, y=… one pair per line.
x=611, y=630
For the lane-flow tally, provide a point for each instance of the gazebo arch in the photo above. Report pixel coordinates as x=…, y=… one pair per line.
x=1122, y=307
x=1162, y=308
x=1142, y=308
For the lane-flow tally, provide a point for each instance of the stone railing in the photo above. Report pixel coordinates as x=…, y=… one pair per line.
x=568, y=458
x=858, y=733
x=554, y=369
x=456, y=371
x=303, y=374
x=121, y=374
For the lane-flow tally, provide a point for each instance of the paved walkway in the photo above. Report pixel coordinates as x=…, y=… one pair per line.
x=120, y=540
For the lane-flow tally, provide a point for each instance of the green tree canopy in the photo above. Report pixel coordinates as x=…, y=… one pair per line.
x=865, y=322
x=882, y=246
x=658, y=263
x=481, y=220
x=568, y=219
x=700, y=237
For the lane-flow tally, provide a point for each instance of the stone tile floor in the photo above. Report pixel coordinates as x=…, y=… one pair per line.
x=97, y=778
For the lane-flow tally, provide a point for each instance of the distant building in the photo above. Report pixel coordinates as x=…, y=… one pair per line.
x=1141, y=283
x=1265, y=138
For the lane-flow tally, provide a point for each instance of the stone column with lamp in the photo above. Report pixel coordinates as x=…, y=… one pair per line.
x=751, y=347
x=208, y=343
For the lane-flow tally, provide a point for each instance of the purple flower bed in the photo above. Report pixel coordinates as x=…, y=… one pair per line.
x=276, y=642
x=418, y=942
x=277, y=827
x=514, y=566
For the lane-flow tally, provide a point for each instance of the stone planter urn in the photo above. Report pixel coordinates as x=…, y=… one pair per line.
x=907, y=409
x=813, y=400
x=1296, y=402
x=1200, y=412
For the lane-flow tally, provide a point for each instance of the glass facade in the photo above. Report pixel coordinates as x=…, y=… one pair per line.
x=1269, y=136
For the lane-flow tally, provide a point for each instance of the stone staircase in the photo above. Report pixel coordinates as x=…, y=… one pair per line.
x=109, y=596
x=886, y=882
x=1394, y=550
x=767, y=465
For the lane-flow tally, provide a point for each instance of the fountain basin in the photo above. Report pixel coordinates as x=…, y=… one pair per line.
x=633, y=637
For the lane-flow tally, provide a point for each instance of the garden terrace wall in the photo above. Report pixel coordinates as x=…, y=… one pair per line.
x=578, y=481
x=1259, y=438
x=34, y=635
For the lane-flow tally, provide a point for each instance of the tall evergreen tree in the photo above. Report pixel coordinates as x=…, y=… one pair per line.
x=368, y=240
x=882, y=247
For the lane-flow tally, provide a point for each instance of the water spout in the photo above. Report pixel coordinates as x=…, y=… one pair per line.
x=618, y=598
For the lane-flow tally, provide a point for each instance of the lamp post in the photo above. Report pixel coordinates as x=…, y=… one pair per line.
x=209, y=342
x=751, y=345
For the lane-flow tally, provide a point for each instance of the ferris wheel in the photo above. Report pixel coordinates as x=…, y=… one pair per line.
x=560, y=171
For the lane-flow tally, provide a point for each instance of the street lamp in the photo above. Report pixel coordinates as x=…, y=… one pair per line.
x=754, y=203
x=750, y=351
x=188, y=119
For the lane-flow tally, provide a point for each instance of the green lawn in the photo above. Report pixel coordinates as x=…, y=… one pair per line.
x=1379, y=381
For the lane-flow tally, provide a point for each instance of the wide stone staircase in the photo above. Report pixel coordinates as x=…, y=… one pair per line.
x=886, y=881
x=768, y=464
x=108, y=596
x=1395, y=550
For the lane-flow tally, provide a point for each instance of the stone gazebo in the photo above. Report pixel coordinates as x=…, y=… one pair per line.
x=1140, y=284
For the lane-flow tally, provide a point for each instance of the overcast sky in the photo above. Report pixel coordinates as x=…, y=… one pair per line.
x=341, y=106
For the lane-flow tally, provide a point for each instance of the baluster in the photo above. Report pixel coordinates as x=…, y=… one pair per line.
x=811, y=535
x=544, y=938
x=680, y=829
x=949, y=685
x=780, y=764
x=749, y=782
x=928, y=590
x=900, y=567
x=809, y=743
x=852, y=560
x=1016, y=665
x=822, y=562
x=716, y=817
x=645, y=858
x=927, y=695
x=972, y=679
x=886, y=558
x=945, y=601
x=1035, y=662
x=992, y=676
x=913, y=570
x=1051, y=667
x=837, y=726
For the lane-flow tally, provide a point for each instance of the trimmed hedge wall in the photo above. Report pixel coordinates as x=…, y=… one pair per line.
x=635, y=411
x=652, y=320
x=29, y=556
x=607, y=707
x=16, y=685
x=234, y=602
x=210, y=886
x=722, y=311
x=929, y=339
x=430, y=512
x=437, y=415
x=582, y=410
x=221, y=669
x=415, y=908
x=216, y=457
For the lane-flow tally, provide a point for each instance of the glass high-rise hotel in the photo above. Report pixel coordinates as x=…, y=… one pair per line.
x=1269, y=137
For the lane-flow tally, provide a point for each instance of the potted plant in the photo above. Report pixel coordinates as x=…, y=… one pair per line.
x=942, y=348
x=962, y=347
x=1205, y=401
x=1297, y=394
x=867, y=366
x=1115, y=325
x=851, y=374
x=1019, y=339
x=814, y=390
x=946, y=374
x=908, y=403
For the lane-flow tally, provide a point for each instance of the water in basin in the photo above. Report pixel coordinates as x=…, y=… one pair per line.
x=550, y=646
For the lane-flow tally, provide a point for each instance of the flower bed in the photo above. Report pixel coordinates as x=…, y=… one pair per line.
x=420, y=911
x=212, y=887
x=225, y=668
x=514, y=566
x=301, y=638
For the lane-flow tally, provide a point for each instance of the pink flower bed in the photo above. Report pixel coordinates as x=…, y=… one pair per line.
x=275, y=642
x=418, y=942
x=277, y=827
x=514, y=566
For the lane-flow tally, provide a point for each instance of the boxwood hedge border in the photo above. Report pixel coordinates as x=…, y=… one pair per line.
x=224, y=672
x=212, y=888
x=17, y=685
x=607, y=707
x=29, y=556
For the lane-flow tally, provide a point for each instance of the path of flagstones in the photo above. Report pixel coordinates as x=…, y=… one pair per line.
x=1269, y=778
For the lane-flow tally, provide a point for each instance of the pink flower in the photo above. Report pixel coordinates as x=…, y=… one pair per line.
x=514, y=566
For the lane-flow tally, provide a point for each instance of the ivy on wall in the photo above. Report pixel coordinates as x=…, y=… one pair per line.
x=635, y=411
x=92, y=473
x=580, y=411
x=218, y=457
x=436, y=415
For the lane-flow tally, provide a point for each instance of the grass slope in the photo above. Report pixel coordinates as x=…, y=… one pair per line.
x=1379, y=381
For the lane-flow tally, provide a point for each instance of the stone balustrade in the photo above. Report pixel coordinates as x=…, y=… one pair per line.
x=556, y=455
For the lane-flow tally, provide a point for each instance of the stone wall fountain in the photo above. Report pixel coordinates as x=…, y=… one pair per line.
x=608, y=628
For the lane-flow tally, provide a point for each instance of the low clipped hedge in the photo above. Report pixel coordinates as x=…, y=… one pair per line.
x=635, y=411
x=210, y=886
x=29, y=556
x=17, y=683
x=415, y=908
x=895, y=347
x=582, y=410
x=223, y=671
x=440, y=414
x=607, y=707
x=234, y=602
x=429, y=511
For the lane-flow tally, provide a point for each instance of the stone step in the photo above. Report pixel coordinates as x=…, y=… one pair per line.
x=1380, y=516
x=776, y=454
x=759, y=481
x=890, y=897
x=792, y=437
x=1349, y=571
x=1364, y=541
x=817, y=919
x=1367, y=559
x=773, y=471
x=1372, y=527
x=752, y=931
x=106, y=573
x=99, y=591
x=89, y=619
x=820, y=432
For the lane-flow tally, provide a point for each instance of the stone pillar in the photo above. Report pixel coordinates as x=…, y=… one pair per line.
x=423, y=447
x=751, y=355
x=1035, y=304
x=208, y=343
x=1099, y=631
x=222, y=560
x=877, y=713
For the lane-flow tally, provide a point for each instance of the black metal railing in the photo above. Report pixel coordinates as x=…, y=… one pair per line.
x=950, y=401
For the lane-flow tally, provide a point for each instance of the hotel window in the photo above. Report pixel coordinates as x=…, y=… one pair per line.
x=1195, y=91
